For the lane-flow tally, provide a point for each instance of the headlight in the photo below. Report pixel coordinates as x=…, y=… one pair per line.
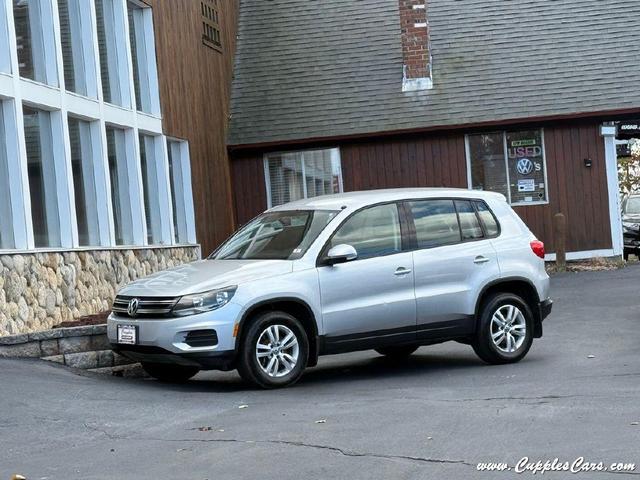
x=203, y=302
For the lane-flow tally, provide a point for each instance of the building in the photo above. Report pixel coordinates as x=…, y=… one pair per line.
x=110, y=110
x=514, y=97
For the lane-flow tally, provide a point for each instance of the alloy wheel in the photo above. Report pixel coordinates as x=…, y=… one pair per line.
x=277, y=350
x=508, y=328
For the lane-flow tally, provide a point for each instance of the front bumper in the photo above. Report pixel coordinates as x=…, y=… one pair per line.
x=162, y=340
x=223, y=360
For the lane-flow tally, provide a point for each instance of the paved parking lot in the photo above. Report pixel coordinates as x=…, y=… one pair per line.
x=435, y=416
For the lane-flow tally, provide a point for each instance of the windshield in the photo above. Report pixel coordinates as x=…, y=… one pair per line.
x=632, y=206
x=275, y=236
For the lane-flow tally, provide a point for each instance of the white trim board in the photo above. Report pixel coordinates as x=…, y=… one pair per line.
x=583, y=255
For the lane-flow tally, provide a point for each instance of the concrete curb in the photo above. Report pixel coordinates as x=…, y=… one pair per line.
x=84, y=347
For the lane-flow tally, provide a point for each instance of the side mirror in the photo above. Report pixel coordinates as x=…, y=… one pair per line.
x=341, y=254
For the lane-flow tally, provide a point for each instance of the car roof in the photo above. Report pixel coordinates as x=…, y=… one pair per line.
x=354, y=200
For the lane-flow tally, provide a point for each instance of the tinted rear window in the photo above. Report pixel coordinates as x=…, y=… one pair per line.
x=489, y=222
x=436, y=222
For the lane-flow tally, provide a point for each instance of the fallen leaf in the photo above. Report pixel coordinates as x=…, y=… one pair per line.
x=323, y=420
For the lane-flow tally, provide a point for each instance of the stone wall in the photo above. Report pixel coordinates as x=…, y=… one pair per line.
x=40, y=290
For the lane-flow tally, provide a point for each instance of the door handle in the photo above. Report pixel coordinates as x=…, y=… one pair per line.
x=481, y=259
x=402, y=271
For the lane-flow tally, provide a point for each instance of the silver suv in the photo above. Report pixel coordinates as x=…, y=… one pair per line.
x=388, y=270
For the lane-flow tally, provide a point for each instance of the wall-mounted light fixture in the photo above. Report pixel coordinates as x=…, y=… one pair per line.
x=588, y=162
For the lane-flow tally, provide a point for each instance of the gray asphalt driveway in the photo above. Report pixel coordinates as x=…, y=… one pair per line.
x=435, y=416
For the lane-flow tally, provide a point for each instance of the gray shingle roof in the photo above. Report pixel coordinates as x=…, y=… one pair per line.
x=321, y=68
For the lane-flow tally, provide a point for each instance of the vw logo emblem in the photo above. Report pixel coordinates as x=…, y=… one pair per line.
x=132, y=309
x=524, y=166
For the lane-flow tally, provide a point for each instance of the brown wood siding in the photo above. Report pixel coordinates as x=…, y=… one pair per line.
x=249, y=188
x=439, y=160
x=195, y=83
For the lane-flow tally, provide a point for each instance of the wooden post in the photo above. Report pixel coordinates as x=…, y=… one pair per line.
x=560, y=241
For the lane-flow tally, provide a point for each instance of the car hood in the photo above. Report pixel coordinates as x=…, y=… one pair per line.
x=205, y=275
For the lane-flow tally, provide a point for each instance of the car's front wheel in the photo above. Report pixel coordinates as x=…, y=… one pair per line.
x=274, y=351
x=505, y=330
x=168, y=372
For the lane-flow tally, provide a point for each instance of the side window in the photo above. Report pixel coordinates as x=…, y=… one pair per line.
x=372, y=232
x=469, y=223
x=488, y=220
x=436, y=222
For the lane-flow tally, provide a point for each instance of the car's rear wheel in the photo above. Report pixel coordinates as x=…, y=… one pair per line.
x=397, y=352
x=169, y=373
x=274, y=351
x=505, y=330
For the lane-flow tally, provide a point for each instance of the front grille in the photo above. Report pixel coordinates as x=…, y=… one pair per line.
x=147, y=306
x=201, y=338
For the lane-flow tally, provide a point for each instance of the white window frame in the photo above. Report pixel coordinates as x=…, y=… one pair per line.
x=16, y=91
x=506, y=164
x=335, y=157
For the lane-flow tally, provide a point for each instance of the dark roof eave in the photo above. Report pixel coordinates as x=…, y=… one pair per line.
x=439, y=128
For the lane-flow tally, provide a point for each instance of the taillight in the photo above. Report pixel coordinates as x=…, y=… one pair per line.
x=538, y=248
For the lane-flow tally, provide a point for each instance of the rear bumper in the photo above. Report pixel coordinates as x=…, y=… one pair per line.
x=224, y=360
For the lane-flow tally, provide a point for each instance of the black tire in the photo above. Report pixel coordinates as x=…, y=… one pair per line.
x=483, y=344
x=251, y=370
x=397, y=352
x=166, y=372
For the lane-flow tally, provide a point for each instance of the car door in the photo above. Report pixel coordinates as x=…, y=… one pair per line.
x=452, y=261
x=369, y=300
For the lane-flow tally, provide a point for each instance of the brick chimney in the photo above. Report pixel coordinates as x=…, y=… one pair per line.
x=415, y=45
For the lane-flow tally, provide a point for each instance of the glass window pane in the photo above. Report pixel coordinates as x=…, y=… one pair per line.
x=6, y=223
x=486, y=154
x=469, y=224
x=320, y=173
x=82, y=167
x=526, y=166
x=133, y=11
x=119, y=177
x=285, y=178
x=31, y=36
x=297, y=175
x=102, y=48
x=42, y=178
x=436, y=223
x=174, y=175
x=488, y=220
x=372, y=232
x=149, y=166
x=72, y=45
x=5, y=57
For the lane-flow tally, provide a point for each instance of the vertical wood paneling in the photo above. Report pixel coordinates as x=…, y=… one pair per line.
x=439, y=160
x=195, y=83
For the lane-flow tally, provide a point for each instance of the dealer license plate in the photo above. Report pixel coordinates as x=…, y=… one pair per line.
x=128, y=334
